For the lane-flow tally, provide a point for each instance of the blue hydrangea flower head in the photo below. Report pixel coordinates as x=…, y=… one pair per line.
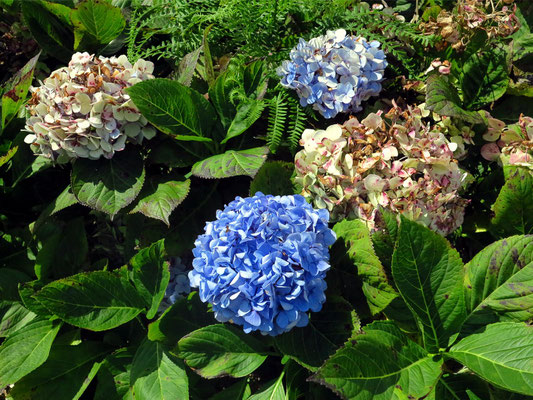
x=335, y=73
x=178, y=286
x=262, y=262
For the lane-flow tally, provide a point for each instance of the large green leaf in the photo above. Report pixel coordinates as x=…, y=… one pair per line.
x=272, y=390
x=219, y=350
x=186, y=315
x=26, y=349
x=15, y=91
x=326, y=332
x=108, y=185
x=513, y=209
x=51, y=26
x=175, y=109
x=65, y=375
x=485, y=78
x=429, y=275
x=159, y=199
x=220, y=97
x=380, y=364
x=101, y=20
x=158, y=375
x=499, y=282
x=15, y=317
x=274, y=177
x=231, y=163
x=64, y=252
x=97, y=301
x=254, y=79
x=151, y=275
x=501, y=354
x=247, y=113
x=113, y=379
x=442, y=98
x=379, y=293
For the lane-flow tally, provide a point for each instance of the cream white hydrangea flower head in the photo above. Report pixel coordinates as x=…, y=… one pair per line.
x=83, y=111
x=403, y=165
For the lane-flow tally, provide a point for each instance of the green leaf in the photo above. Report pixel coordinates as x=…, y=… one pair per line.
x=253, y=78
x=26, y=349
x=186, y=315
x=295, y=381
x=65, y=199
x=98, y=300
x=442, y=98
x=15, y=91
x=274, y=177
x=485, y=78
x=384, y=238
x=187, y=66
x=64, y=252
x=461, y=386
x=247, y=113
x=14, y=318
x=327, y=330
x=108, y=185
x=26, y=292
x=513, y=209
x=175, y=109
x=113, y=379
x=379, y=293
x=380, y=364
x=9, y=280
x=220, y=350
x=100, y=19
x=220, y=97
x=159, y=200
x=237, y=391
x=231, y=163
x=501, y=354
x=51, y=27
x=499, y=282
x=429, y=275
x=273, y=390
x=151, y=275
x=65, y=375
x=158, y=375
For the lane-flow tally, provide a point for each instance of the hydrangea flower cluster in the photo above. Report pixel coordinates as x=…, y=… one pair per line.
x=262, y=262
x=405, y=166
x=178, y=286
x=511, y=145
x=334, y=72
x=82, y=110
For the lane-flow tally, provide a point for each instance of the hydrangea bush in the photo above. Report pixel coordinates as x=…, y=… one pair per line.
x=82, y=110
x=403, y=165
x=334, y=73
x=262, y=262
x=383, y=258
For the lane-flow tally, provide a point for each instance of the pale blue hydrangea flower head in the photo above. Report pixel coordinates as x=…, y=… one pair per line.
x=262, y=262
x=334, y=73
x=178, y=286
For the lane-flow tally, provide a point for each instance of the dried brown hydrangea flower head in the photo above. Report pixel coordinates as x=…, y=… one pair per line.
x=496, y=17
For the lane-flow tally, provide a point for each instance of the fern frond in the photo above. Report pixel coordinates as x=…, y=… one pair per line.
x=297, y=124
x=277, y=118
